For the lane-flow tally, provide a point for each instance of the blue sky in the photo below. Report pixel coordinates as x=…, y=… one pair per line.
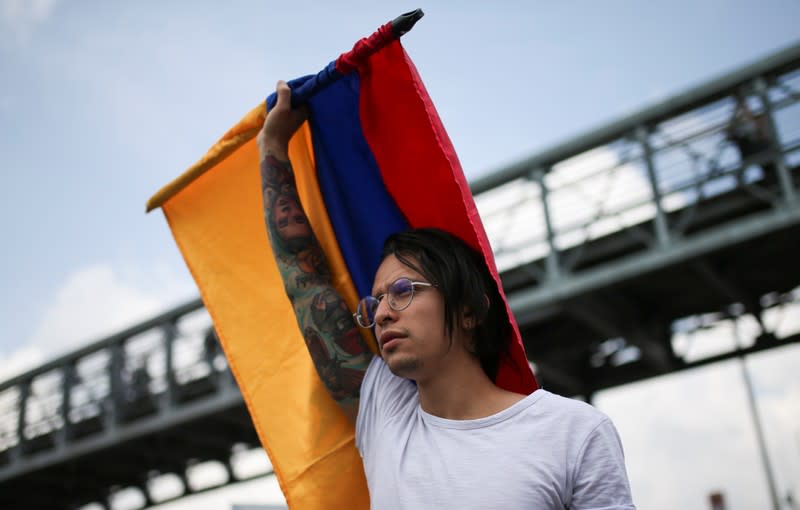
x=101, y=103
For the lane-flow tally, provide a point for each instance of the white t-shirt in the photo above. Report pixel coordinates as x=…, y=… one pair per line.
x=544, y=452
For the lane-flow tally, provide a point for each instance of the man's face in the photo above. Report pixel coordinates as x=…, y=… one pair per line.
x=290, y=220
x=413, y=341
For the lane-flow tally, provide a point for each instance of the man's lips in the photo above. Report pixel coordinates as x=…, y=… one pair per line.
x=389, y=337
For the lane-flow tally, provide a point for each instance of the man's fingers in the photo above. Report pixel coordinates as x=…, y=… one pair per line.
x=284, y=94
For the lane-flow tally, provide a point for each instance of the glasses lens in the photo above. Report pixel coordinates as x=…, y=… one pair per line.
x=365, y=313
x=400, y=293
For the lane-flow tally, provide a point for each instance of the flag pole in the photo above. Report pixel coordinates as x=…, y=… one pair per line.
x=304, y=88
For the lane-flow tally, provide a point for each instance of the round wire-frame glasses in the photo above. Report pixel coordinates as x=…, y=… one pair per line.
x=398, y=296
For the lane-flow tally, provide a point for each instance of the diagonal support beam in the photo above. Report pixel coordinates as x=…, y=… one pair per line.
x=607, y=275
x=728, y=288
x=548, y=373
x=613, y=315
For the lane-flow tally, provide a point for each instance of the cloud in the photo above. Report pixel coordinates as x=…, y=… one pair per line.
x=21, y=17
x=26, y=11
x=21, y=360
x=100, y=299
x=96, y=301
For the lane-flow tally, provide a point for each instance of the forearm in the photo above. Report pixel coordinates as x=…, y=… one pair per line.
x=298, y=255
x=337, y=350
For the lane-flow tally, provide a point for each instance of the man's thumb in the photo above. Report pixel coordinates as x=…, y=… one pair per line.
x=284, y=94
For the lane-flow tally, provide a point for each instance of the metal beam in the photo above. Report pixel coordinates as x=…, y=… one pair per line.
x=704, y=243
x=784, y=177
x=660, y=219
x=100, y=345
x=612, y=315
x=611, y=380
x=727, y=288
x=552, y=265
x=595, y=315
x=220, y=401
x=654, y=344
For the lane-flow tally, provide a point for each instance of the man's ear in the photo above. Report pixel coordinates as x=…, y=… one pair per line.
x=467, y=323
x=468, y=319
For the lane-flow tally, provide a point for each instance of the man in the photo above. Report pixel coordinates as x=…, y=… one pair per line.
x=433, y=429
x=750, y=132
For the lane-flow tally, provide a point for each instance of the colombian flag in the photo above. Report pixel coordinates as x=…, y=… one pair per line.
x=373, y=159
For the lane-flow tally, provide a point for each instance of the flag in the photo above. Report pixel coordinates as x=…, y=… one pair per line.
x=374, y=159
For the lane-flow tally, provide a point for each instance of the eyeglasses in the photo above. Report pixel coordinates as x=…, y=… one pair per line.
x=400, y=293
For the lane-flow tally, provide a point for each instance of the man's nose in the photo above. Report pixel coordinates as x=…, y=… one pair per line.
x=384, y=312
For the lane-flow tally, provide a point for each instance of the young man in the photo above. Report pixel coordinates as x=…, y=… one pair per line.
x=750, y=133
x=433, y=429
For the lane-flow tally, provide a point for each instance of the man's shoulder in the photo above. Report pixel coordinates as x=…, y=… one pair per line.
x=566, y=413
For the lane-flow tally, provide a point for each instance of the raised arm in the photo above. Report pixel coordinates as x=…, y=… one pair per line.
x=336, y=347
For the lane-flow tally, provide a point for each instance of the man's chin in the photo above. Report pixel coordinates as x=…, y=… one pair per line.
x=402, y=365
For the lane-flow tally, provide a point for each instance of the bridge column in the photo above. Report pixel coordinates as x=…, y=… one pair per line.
x=184, y=478
x=67, y=382
x=106, y=503
x=170, y=332
x=116, y=365
x=226, y=463
x=751, y=401
x=211, y=349
x=552, y=263
x=784, y=177
x=24, y=393
x=145, y=490
x=661, y=226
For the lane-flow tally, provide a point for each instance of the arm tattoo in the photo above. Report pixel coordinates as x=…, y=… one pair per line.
x=338, y=351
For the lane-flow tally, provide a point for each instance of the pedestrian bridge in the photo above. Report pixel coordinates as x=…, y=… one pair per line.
x=609, y=245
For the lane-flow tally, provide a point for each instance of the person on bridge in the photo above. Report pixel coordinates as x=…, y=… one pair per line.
x=432, y=427
x=750, y=133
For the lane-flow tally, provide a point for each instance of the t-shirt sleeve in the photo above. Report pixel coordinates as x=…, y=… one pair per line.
x=599, y=479
x=383, y=395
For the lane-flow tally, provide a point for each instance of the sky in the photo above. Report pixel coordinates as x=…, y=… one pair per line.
x=102, y=103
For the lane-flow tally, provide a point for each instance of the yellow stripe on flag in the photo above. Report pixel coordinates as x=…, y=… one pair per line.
x=215, y=211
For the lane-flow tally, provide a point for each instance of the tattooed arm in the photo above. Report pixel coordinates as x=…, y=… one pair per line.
x=336, y=347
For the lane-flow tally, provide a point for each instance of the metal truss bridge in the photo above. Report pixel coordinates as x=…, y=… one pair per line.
x=683, y=214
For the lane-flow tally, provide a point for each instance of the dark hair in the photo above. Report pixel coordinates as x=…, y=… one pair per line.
x=461, y=275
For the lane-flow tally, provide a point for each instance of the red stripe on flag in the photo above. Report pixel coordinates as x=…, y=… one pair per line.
x=423, y=174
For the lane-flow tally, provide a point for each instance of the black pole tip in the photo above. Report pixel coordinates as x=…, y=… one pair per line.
x=405, y=22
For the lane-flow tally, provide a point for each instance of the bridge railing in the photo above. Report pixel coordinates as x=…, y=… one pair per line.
x=172, y=358
x=647, y=174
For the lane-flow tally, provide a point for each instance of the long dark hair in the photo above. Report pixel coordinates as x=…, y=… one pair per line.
x=461, y=275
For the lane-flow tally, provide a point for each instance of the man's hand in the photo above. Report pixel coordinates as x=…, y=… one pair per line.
x=281, y=123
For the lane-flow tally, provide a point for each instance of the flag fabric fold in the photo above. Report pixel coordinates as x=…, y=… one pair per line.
x=374, y=159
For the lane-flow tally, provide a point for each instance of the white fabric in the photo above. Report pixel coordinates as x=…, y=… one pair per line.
x=544, y=452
